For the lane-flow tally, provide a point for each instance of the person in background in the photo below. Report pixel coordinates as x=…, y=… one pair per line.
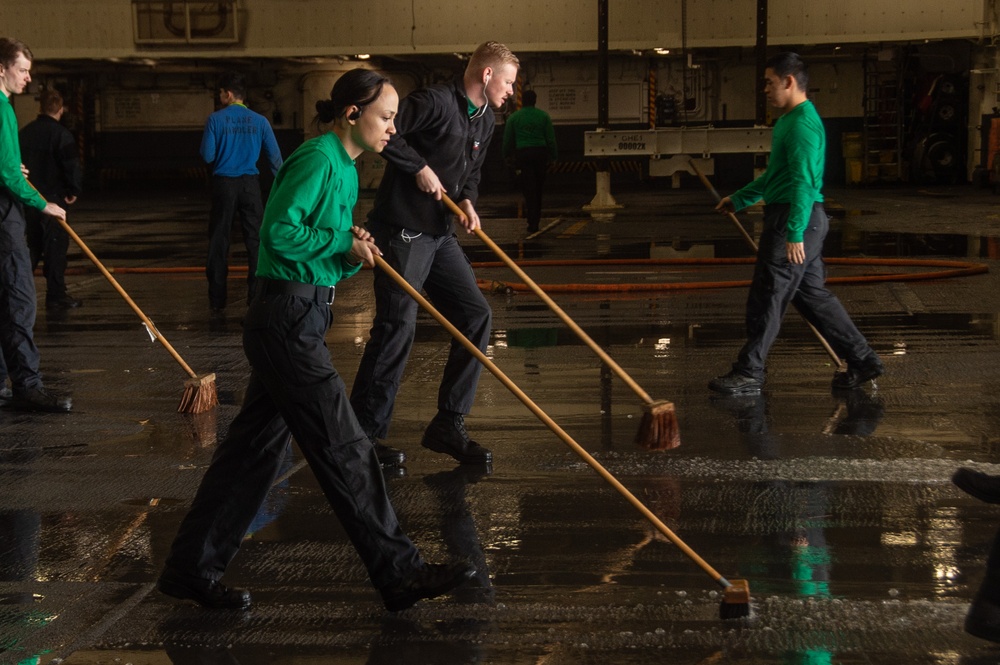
x=308, y=244
x=439, y=148
x=52, y=157
x=17, y=283
x=232, y=143
x=530, y=141
x=789, y=266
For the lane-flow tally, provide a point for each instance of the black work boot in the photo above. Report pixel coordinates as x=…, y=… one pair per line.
x=983, y=619
x=428, y=581
x=62, y=302
x=978, y=484
x=387, y=455
x=857, y=375
x=446, y=434
x=735, y=383
x=207, y=593
x=39, y=399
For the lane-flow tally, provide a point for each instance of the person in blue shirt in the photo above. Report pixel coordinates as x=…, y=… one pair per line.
x=232, y=143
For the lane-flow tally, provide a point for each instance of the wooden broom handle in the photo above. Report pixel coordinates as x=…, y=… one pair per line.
x=544, y=417
x=708, y=185
x=753, y=245
x=615, y=367
x=121, y=291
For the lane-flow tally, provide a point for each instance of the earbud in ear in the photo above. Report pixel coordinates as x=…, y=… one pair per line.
x=354, y=116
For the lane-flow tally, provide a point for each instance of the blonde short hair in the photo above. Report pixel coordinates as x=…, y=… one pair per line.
x=491, y=54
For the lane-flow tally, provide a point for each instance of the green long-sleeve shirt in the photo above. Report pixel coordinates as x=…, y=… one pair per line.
x=794, y=172
x=306, y=232
x=529, y=127
x=11, y=178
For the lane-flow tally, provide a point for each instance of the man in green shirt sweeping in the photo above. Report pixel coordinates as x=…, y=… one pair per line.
x=17, y=284
x=789, y=267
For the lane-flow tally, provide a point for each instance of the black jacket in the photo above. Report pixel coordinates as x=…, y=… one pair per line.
x=432, y=127
x=52, y=157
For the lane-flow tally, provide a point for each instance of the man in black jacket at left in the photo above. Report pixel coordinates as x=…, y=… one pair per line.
x=52, y=158
x=442, y=132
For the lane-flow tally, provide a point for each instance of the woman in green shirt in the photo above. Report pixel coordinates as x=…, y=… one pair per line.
x=308, y=243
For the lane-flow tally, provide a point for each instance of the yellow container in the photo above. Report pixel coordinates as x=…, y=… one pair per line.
x=853, y=168
x=852, y=144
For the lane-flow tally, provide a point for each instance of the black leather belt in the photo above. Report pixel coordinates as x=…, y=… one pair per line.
x=320, y=294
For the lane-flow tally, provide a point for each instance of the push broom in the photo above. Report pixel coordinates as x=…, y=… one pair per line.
x=199, y=391
x=736, y=593
x=750, y=242
x=658, y=429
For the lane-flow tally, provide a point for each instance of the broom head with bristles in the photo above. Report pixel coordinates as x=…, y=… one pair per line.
x=199, y=394
x=658, y=429
x=735, y=600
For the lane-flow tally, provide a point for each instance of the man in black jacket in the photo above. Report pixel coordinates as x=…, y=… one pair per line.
x=52, y=158
x=442, y=132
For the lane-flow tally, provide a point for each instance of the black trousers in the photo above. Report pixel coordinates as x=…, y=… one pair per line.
x=533, y=163
x=48, y=242
x=295, y=391
x=437, y=265
x=20, y=359
x=778, y=282
x=231, y=197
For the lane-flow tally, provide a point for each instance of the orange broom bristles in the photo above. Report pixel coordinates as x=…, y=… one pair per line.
x=658, y=429
x=199, y=394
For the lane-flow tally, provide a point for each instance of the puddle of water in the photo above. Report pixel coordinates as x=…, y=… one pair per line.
x=852, y=240
x=980, y=325
x=843, y=240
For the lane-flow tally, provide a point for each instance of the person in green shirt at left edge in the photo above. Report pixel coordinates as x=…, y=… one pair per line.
x=20, y=358
x=308, y=244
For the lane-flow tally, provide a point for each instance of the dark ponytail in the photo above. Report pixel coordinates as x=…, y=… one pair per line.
x=358, y=87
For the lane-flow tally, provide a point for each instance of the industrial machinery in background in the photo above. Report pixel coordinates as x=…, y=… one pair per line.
x=936, y=145
x=914, y=118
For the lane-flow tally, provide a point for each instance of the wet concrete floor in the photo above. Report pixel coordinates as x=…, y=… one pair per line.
x=836, y=508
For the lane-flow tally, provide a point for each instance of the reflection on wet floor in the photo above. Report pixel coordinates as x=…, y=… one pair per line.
x=844, y=240
x=836, y=507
